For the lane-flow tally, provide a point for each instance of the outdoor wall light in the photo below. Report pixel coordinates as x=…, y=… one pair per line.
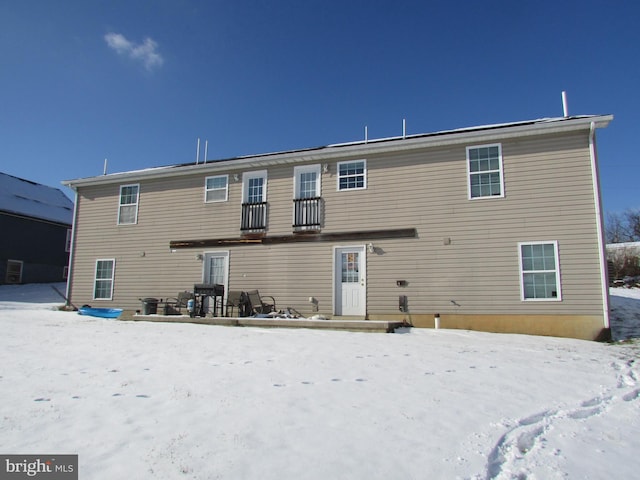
x=325, y=168
x=371, y=248
x=236, y=177
x=199, y=256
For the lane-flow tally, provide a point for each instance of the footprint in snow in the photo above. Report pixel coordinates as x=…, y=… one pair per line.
x=143, y=396
x=42, y=399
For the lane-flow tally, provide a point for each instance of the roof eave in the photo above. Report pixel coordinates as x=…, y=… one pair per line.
x=386, y=145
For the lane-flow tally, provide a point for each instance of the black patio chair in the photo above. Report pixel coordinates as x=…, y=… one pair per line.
x=238, y=300
x=174, y=306
x=258, y=305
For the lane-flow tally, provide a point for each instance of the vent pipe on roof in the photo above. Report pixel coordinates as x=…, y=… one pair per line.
x=104, y=172
x=404, y=128
x=198, y=151
x=206, y=147
x=565, y=108
x=366, y=134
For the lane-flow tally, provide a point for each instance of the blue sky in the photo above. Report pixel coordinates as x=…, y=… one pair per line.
x=138, y=81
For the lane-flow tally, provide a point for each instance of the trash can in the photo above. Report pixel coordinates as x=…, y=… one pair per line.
x=149, y=306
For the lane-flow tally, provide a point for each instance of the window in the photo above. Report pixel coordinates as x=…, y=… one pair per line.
x=65, y=272
x=484, y=164
x=67, y=245
x=307, y=204
x=14, y=271
x=539, y=271
x=254, y=201
x=128, y=211
x=216, y=189
x=307, y=181
x=103, y=285
x=352, y=175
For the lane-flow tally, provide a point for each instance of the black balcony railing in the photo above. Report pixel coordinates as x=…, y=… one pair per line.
x=307, y=212
x=254, y=216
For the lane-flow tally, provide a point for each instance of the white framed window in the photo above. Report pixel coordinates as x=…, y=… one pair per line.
x=216, y=189
x=306, y=181
x=307, y=204
x=103, y=279
x=67, y=245
x=254, y=187
x=128, y=209
x=484, y=167
x=539, y=271
x=352, y=175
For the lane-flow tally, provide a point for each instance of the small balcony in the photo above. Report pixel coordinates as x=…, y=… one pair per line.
x=307, y=213
x=254, y=217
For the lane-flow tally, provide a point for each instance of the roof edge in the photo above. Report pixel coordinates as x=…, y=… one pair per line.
x=381, y=145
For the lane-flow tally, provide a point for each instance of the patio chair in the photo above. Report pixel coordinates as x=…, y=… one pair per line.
x=174, y=306
x=258, y=305
x=238, y=300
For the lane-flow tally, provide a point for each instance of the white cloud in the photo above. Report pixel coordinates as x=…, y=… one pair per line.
x=145, y=52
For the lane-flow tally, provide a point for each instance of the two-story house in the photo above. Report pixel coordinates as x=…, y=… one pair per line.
x=495, y=228
x=35, y=221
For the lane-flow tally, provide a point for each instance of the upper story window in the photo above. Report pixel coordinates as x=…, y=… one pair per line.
x=254, y=201
x=216, y=189
x=539, y=271
x=128, y=211
x=484, y=165
x=307, y=204
x=306, y=181
x=352, y=175
x=254, y=187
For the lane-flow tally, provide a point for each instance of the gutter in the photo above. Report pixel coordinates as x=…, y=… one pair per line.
x=489, y=133
x=599, y=224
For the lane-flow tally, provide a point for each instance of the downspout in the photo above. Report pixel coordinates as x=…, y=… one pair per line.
x=73, y=247
x=599, y=223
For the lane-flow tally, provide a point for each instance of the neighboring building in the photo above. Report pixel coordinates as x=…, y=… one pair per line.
x=496, y=228
x=35, y=221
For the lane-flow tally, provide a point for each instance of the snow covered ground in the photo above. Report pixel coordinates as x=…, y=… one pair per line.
x=168, y=401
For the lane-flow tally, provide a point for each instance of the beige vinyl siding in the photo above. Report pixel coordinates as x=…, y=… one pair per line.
x=548, y=197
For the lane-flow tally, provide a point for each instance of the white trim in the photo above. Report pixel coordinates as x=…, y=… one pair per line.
x=488, y=133
x=218, y=253
x=137, y=203
x=500, y=171
x=558, y=296
x=364, y=175
x=300, y=169
x=337, y=277
x=207, y=190
x=73, y=246
x=246, y=176
x=599, y=225
x=112, y=279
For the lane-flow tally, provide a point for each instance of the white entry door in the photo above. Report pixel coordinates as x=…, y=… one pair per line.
x=350, y=277
x=216, y=269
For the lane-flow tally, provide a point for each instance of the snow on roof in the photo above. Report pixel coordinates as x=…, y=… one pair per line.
x=31, y=199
